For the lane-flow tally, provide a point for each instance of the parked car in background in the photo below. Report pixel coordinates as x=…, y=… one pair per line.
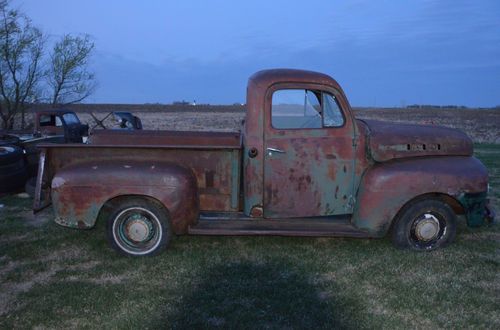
x=19, y=154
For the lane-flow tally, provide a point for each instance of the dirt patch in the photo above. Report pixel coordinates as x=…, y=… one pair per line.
x=84, y=266
x=36, y=220
x=493, y=236
x=10, y=290
x=14, y=238
x=480, y=124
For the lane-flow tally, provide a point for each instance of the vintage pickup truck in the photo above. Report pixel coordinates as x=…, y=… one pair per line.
x=301, y=166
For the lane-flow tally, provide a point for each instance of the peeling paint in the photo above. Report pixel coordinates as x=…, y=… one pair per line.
x=57, y=182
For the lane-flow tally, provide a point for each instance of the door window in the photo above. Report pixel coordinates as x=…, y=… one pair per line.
x=50, y=120
x=71, y=118
x=47, y=120
x=302, y=108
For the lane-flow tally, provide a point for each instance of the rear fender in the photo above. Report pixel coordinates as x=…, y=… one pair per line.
x=80, y=191
x=387, y=187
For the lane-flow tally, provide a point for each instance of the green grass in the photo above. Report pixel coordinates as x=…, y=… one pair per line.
x=54, y=277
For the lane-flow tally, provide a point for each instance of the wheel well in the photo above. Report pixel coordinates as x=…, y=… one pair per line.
x=111, y=203
x=451, y=201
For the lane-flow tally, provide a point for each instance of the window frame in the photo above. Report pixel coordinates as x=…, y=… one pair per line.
x=312, y=88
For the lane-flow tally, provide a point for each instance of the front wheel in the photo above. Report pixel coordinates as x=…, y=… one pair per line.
x=424, y=225
x=138, y=227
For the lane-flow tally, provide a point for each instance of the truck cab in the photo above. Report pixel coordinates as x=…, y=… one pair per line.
x=302, y=142
x=61, y=124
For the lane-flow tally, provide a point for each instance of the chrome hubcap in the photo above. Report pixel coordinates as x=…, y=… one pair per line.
x=137, y=230
x=427, y=228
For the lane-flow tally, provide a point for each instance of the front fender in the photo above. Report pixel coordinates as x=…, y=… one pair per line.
x=387, y=187
x=79, y=191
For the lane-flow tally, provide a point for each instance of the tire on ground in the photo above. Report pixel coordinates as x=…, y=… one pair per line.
x=10, y=154
x=8, y=139
x=12, y=180
x=138, y=227
x=424, y=225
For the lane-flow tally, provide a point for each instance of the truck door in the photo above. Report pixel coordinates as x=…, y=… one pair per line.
x=309, y=153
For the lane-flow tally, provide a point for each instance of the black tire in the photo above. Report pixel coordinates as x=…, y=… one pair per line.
x=10, y=154
x=9, y=140
x=424, y=225
x=14, y=180
x=7, y=170
x=138, y=227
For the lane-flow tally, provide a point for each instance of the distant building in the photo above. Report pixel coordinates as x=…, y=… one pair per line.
x=181, y=103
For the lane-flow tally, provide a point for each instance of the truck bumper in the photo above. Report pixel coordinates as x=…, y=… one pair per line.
x=477, y=209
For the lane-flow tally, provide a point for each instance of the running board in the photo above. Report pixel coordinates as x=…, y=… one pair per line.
x=225, y=224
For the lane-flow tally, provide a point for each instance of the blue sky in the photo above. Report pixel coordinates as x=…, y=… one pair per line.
x=383, y=53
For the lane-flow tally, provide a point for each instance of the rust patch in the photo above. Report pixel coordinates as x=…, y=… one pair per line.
x=209, y=179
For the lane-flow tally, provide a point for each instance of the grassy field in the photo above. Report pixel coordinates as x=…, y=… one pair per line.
x=53, y=277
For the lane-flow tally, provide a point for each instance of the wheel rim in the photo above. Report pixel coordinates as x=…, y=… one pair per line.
x=6, y=150
x=427, y=229
x=137, y=230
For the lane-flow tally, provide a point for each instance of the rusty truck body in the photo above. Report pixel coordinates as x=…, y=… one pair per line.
x=302, y=165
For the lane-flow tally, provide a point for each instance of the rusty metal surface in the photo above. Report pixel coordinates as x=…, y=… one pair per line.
x=322, y=172
x=216, y=173
x=49, y=130
x=216, y=170
x=332, y=227
x=166, y=138
x=317, y=174
x=395, y=140
x=41, y=198
x=77, y=200
x=387, y=187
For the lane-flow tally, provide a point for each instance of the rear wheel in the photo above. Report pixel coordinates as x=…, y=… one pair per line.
x=424, y=225
x=138, y=227
x=10, y=154
x=8, y=139
x=12, y=169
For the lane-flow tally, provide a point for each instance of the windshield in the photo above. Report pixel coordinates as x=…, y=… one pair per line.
x=71, y=118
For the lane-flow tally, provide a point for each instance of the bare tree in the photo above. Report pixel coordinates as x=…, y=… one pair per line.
x=68, y=75
x=21, y=49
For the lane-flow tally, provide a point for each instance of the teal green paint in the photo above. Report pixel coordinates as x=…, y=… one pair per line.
x=71, y=218
x=91, y=215
x=474, y=205
x=333, y=194
x=235, y=178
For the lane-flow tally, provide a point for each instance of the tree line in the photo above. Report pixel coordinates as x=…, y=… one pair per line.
x=29, y=73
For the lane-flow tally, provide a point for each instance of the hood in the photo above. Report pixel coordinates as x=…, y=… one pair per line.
x=395, y=140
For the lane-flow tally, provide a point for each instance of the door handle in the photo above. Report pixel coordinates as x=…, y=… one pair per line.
x=271, y=150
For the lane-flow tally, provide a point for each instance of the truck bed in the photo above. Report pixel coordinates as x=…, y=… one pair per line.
x=167, y=138
x=213, y=157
